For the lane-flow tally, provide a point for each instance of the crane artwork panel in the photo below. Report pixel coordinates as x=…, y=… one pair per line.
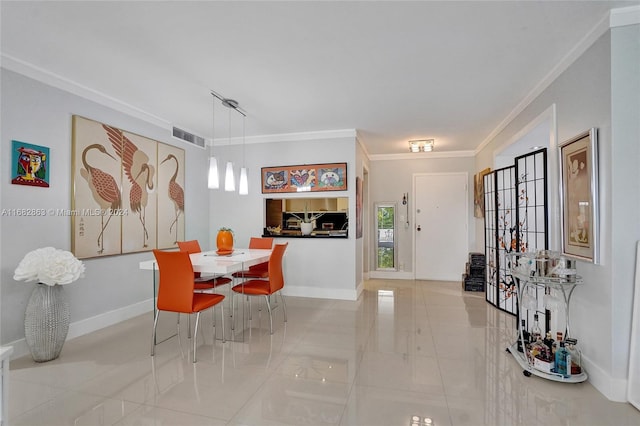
x=170, y=196
x=138, y=159
x=119, y=190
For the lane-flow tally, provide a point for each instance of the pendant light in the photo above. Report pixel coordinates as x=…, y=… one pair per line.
x=229, y=178
x=214, y=178
x=244, y=184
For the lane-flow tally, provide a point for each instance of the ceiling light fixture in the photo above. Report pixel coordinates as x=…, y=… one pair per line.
x=229, y=181
x=421, y=145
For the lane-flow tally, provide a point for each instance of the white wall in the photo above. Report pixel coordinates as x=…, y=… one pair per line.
x=625, y=185
x=114, y=288
x=390, y=179
x=323, y=267
x=585, y=96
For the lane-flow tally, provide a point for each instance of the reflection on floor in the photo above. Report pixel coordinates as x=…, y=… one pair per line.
x=405, y=353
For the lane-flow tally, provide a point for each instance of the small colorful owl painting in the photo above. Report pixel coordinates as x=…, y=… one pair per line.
x=29, y=164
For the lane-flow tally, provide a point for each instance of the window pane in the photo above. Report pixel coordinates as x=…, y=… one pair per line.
x=385, y=243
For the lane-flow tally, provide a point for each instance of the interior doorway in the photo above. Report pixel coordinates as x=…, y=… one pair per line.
x=366, y=234
x=441, y=225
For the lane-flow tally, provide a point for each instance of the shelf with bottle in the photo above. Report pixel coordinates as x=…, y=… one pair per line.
x=539, y=354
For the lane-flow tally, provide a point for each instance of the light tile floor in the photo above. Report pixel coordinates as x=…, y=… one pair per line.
x=404, y=349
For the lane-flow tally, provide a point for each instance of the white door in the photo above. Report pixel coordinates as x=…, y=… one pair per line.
x=441, y=223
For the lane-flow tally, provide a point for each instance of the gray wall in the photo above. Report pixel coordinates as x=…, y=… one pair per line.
x=113, y=288
x=625, y=186
x=390, y=179
x=323, y=267
x=603, y=80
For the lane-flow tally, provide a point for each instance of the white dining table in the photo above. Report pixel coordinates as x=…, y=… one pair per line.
x=209, y=262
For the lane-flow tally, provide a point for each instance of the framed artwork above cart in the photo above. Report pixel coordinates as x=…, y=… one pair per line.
x=579, y=196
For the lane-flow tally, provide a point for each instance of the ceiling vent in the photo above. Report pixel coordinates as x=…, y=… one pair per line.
x=188, y=137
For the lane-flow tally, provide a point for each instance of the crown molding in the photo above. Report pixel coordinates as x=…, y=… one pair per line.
x=624, y=16
x=601, y=27
x=421, y=155
x=286, y=137
x=47, y=77
x=362, y=146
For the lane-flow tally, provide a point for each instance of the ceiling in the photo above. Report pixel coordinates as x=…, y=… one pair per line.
x=393, y=70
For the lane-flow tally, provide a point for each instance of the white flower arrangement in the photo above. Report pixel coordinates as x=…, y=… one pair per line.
x=49, y=266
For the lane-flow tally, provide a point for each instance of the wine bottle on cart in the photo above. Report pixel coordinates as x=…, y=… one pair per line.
x=536, y=332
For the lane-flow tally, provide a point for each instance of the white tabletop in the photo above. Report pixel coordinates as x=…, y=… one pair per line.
x=209, y=262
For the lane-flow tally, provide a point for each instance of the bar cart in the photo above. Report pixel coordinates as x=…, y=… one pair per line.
x=530, y=271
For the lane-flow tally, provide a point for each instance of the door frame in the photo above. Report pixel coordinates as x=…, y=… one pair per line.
x=413, y=213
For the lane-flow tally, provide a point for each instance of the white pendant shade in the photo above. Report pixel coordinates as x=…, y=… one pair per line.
x=214, y=178
x=229, y=179
x=244, y=184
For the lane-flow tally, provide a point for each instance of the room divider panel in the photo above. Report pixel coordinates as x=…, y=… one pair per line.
x=515, y=219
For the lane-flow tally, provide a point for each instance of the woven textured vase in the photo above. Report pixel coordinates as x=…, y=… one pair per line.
x=46, y=322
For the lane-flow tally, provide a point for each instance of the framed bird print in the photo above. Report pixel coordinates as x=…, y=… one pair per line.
x=119, y=188
x=96, y=205
x=138, y=158
x=170, y=196
x=305, y=178
x=579, y=196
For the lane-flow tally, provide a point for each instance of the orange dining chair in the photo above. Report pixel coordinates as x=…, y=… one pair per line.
x=175, y=293
x=260, y=270
x=274, y=283
x=208, y=281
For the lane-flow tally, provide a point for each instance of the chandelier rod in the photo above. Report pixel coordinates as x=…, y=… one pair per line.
x=229, y=103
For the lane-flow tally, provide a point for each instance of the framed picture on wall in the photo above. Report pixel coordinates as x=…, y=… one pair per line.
x=305, y=178
x=478, y=192
x=128, y=191
x=29, y=164
x=579, y=196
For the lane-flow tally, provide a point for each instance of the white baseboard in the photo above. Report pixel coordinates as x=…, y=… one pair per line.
x=89, y=325
x=321, y=293
x=613, y=389
x=399, y=275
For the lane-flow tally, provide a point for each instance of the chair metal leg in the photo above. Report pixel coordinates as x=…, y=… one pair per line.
x=284, y=307
x=189, y=330
x=233, y=307
x=222, y=312
x=230, y=291
x=270, y=315
x=195, y=335
x=153, y=335
x=249, y=300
